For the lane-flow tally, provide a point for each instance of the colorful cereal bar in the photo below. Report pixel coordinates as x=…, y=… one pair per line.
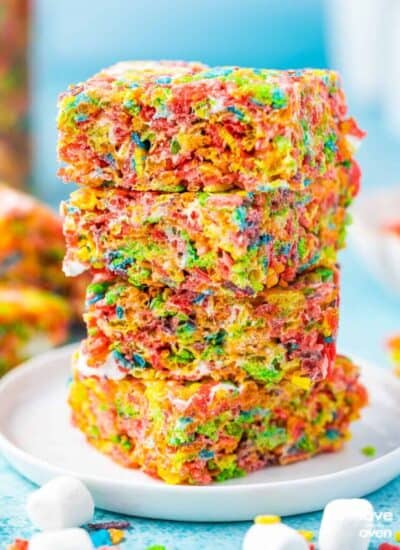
x=199, y=432
x=31, y=321
x=174, y=126
x=238, y=241
x=159, y=332
x=32, y=246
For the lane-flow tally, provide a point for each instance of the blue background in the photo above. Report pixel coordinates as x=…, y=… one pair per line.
x=74, y=39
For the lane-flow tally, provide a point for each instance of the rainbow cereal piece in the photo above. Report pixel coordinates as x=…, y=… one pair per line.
x=32, y=246
x=199, y=432
x=394, y=350
x=198, y=241
x=31, y=321
x=174, y=126
x=159, y=332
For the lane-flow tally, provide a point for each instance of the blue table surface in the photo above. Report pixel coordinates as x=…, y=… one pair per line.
x=370, y=313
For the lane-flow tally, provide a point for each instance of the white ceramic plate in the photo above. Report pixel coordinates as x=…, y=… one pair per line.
x=38, y=440
x=379, y=249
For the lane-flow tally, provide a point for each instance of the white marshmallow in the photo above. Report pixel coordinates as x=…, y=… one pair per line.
x=346, y=523
x=66, y=539
x=61, y=503
x=273, y=536
x=72, y=268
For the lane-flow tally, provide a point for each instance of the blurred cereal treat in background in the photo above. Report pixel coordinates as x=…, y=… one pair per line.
x=14, y=92
x=31, y=321
x=32, y=247
x=394, y=350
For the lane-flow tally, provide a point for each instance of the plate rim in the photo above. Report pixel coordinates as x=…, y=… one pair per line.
x=8, y=448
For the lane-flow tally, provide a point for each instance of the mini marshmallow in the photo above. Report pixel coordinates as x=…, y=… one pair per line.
x=66, y=539
x=61, y=503
x=273, y=536
x=346, y=523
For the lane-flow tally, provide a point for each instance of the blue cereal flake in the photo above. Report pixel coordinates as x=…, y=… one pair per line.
x=137, y=141
x=183, y=422
x=117, y=261
x=329, y=339
x=163, y=80
x=330, y=143
x=101, y=538
x=81, y=98
x=237, y=112
x=310, y=263
x=279, y=99
x=201, y=297
x=94, y=299
x=139, y=361
x=80, y=117
x=109, y=159
x=239, y=217
x=265, y=239
x=119, y=312
x=250, y=415
x=205, y=454
x=332, y=434
x=262, y=240
x=285, y=248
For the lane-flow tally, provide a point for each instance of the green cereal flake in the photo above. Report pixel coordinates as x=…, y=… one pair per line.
x=325, y=273
x=175, y=146
x=98, y=288
x=94, y=432
x=183, y=356
x=203, y=197
x=235, y=429
x=369, y=451
x=126, y=409
x=179, y=436
x=271, y=438
x=305, y=444
x=282, y=143
x=302, y=248
x=258, y=369
x=209, y=429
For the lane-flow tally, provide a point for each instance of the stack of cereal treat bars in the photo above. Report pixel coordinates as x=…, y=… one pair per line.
x=211, y=206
